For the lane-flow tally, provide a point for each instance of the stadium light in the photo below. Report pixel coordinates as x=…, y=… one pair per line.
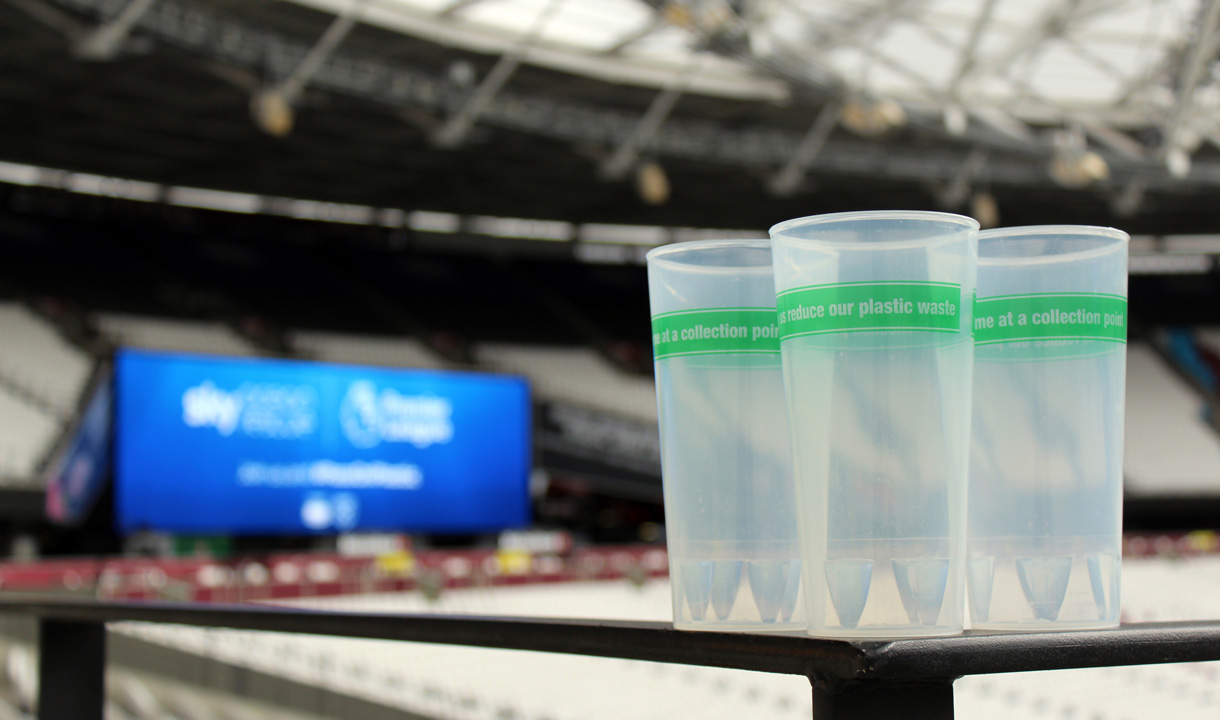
x=271, y=108
x=272, y=112
x=1073, y=164
x=652, y=183
x=1072, y=170
x=956, y=120
x=1177, y=161
x=983, y=207
x=872, y=118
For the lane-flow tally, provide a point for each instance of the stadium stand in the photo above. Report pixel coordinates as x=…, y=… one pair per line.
x=29, y=432
x=1170, y=449
x=173, y=335
x=469, y=684
x=131, y=695
x=364, y=349
x=574, y=374
x=42, y=377
x=475, y=184
x=570, y=373
x=36, y=359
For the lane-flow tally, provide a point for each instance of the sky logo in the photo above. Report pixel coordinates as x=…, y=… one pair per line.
x=260, y=410
x=369, y=417
x=208, y=406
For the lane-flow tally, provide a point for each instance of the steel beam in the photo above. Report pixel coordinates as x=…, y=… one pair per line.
x=649, y=123
x=455, y=129
x=873, y=700
x=839, y=662
x=230, y=41
x=653, y=26
x=1055, y=22
x=457, y=6
x=1119, y=142
x=969, y=51
x=105, y=42
x=71, y=669
x=294, y=85
x=907, y=678
x=957, y=191
x=1202, y=51
x=51, y=16
x=869, y=21
x=785, y=182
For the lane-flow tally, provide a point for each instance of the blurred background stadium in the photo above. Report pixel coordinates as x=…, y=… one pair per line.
x=471, y=185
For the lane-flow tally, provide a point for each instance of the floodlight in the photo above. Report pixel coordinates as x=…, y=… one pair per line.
x=272, y=113
x=652, y=183
x=984, y=208
x=870, y=118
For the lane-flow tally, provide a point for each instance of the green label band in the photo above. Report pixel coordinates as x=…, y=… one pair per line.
x=857, y=307
x=1050, y=316
x=718, y=331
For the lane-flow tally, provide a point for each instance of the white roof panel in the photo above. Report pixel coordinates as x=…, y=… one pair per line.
x=1055, y=58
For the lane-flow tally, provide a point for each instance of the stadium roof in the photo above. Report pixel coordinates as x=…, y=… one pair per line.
x=1039, y=60
x=552, y=108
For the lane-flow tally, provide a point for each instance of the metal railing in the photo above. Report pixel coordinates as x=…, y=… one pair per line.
x=908, y=679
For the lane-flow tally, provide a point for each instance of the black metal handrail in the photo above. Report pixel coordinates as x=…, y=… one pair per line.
x=910, y=678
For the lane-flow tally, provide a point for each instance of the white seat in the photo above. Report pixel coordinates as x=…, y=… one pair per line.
x=1170, y=449
x=36, y=358
x=364, y=349
x=27, y=433
x=574, y=374
x=192, y=336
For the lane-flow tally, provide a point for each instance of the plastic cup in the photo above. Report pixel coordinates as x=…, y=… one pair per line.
x=730, y=520
x=874, y=315
x=1046, y=460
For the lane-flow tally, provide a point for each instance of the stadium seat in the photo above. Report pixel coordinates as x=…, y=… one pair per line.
x=37, y=359
x=29, y=433
x=173, y=335
x=574, y=374
x=364, y=349
x=1170, y=449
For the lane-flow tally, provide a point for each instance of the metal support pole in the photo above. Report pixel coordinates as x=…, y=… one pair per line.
x=335, y=33
x=785, y=182
x=959, y=189
x=650, y=122
x=71, y=670
x=623, y=159
x=455, y=129
x=969, y=57
x=52, y=17
x=875, y=699
x=457, y=7
x=272, y=108
x=104, y=42
x=1201, y=52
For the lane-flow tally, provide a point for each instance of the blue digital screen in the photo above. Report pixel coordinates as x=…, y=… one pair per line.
x=76, y=477
x=260, y=446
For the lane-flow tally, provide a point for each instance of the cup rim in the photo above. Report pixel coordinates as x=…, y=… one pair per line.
x=966, y=223
x=1120, y=240
x=662, y=253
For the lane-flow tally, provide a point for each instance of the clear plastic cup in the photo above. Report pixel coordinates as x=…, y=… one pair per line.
x=729, y=512
x=1046, y=460
x=875, y=315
